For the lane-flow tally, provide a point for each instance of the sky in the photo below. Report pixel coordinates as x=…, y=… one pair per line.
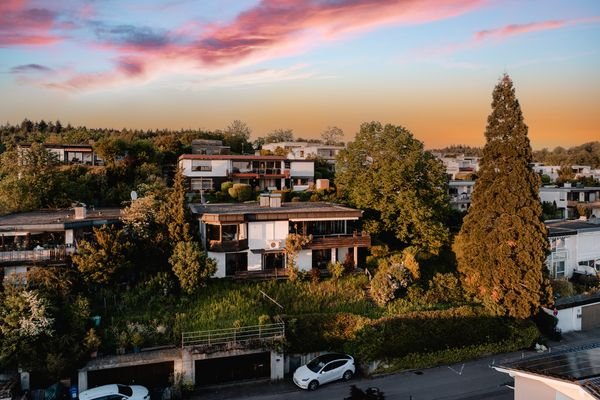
x=428, y=65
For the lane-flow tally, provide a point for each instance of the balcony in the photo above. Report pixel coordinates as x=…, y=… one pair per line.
x=356, y=239
x=227, y=246
x=59, y=255
x=260, y=172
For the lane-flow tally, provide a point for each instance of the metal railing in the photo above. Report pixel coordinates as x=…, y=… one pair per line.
x=58, y=254
x=233, y=335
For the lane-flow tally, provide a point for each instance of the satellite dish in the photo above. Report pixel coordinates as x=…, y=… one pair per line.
x=133, y=195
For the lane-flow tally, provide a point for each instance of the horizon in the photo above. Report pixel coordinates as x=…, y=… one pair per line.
x=429, y=66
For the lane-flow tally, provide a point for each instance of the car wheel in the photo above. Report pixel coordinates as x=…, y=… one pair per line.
x=347, y=375
x=313, y=385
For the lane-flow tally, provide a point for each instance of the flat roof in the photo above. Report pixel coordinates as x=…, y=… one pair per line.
x=572, y=227
x=229, y=157
x=252, y=211
x=578, y=300
x=579, y=364
x=56, y=219
x=568, y=189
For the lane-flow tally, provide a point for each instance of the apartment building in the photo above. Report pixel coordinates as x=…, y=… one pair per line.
x=574, y=247
x=83, y=154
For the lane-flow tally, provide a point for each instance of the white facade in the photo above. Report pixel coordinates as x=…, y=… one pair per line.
x=306, y=150
x=460, y=194
x=575, y=247
x=458, y=164
x=567, y=199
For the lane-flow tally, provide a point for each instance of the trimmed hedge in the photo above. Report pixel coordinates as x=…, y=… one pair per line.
x=418, y=332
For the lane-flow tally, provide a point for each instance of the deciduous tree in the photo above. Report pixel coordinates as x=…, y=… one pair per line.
x=402, y=188
x=191, y=265
x=501, y=248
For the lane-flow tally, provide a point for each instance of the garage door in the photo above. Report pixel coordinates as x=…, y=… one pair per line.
x=231, y=369
x=150, y=375
x=590, y=317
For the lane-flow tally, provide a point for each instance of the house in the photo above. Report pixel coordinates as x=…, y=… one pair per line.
x=250, y=238
x=460, y=194
x=207, y=146
x=83, y=154
x=459, y=166
x=47, y=237
x=570, y=198
x=574, y=247
x=306, y=150
x=207, y=172
x=567, y=374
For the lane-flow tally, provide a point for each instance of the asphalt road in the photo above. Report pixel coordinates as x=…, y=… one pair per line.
x=469, y=381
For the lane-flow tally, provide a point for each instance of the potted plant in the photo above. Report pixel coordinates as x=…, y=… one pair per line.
x=92, y=342
x=122, y=342
x=137, y=339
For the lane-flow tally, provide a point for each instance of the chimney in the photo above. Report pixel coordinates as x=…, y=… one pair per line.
x=275, y=200
x=80, y=211
x=264, y=200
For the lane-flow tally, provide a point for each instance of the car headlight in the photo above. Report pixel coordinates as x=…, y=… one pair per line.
x=305, y=379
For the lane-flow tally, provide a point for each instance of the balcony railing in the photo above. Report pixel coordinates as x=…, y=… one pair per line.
x=42, y=255
x=228, y=245
x=217, y=337
x=261, y=171
x=356, y=239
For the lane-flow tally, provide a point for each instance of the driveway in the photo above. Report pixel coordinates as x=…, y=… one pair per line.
x=469, y=381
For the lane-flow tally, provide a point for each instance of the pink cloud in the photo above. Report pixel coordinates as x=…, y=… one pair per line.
x=22, y=24
x=271, y=29
x=503, y=33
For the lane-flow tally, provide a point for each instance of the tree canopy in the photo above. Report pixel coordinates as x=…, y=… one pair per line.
x=401, y=187
x=501, y=247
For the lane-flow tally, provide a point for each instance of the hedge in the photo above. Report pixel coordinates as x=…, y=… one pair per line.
x=399, y=336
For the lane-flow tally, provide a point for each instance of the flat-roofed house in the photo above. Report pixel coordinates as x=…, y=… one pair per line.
x=47, y=237
x=250, y=238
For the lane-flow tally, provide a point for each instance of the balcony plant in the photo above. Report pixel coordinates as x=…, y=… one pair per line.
x=92, y=342
x=137, y=339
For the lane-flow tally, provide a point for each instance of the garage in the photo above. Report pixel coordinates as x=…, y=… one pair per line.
x=152, y=375
x=590, y=317
x=232, y=369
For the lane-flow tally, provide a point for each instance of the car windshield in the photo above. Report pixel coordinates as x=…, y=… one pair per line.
x=125, y=390
x=315, y=365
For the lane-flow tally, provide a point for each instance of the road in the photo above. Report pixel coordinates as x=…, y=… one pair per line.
x=469, y=381
x=474, y=380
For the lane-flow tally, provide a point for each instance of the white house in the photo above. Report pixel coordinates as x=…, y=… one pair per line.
x=574, y=247
x=567, y=198
x=577, y=313
x=250, y=238
x=458, y=165
x=82, y=154
x=207, y=172
x=460, y=194
x=306, y=150
x=572, y=374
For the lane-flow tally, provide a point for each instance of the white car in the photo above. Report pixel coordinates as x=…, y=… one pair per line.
x=323, y=369
x=116, y=392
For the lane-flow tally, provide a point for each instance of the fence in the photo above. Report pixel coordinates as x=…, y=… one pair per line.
x=232, y=335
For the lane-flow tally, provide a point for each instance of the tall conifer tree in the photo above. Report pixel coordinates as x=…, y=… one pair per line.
x=501, y=248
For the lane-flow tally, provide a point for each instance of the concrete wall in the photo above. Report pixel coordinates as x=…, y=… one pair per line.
x=260, y=232
x=220, y=258
x=302, y=169
x=528, y=389
x=219, y=168
x=304, y=260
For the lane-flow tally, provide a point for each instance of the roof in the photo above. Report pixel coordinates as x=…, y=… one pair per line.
x=575, y=301
x=230, y=157
x=569, y=189
x=57, y=219
x=579, y=365
x=571, y=227
x=288, y=211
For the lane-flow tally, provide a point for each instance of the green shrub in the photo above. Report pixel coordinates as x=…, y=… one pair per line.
x=225, y=186
x=445, y=288
x=336, y=269
x=389, y=279
x=562, y=288
x=241, y=192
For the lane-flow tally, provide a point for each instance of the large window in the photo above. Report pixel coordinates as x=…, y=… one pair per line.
x=273, y=260
x=559, y=269
x=201, y=184
x=224, y=233
x=322, y=228
x=235, y=262
x=320, y=258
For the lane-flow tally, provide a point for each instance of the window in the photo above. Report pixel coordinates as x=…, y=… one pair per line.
x=273, y=260
x=213, y=232
x=320, y=258
x=333, y=365
x=201, y=166
x=201, y=184
x=559, y=269
x=229, y=232
x=235, y=262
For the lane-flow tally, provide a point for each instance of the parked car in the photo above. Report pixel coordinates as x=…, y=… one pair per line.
x=116, y=392
x=323, y=369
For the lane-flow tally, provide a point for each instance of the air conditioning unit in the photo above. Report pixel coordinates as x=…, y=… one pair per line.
x=273, y=244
